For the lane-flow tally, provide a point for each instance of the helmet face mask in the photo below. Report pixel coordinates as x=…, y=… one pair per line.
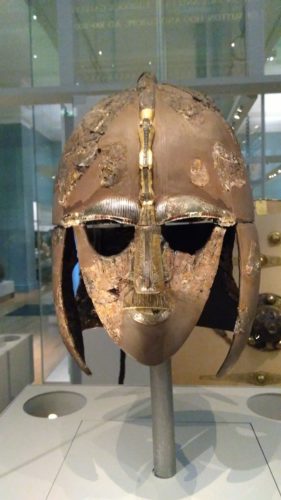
x=150, y=194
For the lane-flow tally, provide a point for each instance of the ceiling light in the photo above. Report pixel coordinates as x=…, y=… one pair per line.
x=53, y=176
x=236, y=116
x=271, y=58
x=34, y=17
x=279, y=170
x=256, y=126
x=149, y=63
x=232, y=44
x=100, y=52
x=35, y=56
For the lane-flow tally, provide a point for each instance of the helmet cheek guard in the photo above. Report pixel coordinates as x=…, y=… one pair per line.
x=64, y=260
x=151, y=191
x=249, y=278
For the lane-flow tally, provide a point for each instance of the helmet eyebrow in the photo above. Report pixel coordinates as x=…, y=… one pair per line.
x=190, y=207
x=120, y=209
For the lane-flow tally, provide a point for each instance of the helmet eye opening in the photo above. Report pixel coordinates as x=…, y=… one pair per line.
x=108, y=237
x=187, y=236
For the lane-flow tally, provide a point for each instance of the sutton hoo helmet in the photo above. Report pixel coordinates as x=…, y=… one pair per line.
x=151, y=191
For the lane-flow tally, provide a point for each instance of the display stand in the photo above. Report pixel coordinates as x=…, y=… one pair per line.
x=163, y=432
x=226, y=448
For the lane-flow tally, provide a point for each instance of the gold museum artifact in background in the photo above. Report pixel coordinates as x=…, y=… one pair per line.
x=150, y=195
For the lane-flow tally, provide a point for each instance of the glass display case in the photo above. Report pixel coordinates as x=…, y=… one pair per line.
x=59, y=59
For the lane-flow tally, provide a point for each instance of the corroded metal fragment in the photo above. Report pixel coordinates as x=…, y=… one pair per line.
x=230, y=168
x=112, y=164
x=82, y=148
x=253, y=264
x=183, y=103
x=195, y=273
x=106, y=280
x=198, y=173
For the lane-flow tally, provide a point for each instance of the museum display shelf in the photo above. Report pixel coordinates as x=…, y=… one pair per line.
x=100, y=444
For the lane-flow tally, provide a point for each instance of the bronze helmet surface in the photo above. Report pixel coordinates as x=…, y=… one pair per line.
x=150, y=194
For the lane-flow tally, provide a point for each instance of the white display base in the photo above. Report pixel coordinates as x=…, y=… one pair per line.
x=16, y=365
x=104, y=450
x=7, y=289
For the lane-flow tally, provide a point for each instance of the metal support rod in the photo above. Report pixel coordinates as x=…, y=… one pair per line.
x=263, y=149
x=163, y=432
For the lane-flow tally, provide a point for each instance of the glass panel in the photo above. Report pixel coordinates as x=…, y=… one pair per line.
x=253, y=148
x=19, y=297
x=272, y=37
x=120, y=41
x=114, y=41
x=225, y=105
x=245, y=118
x=48, y=134
x=243, y=113
x=204, y=39
x=272, y=104
x=15, y=68
x=44, y=43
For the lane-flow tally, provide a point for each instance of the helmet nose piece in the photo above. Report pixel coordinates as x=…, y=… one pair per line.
x=148, y=309
x=149, y=317
x=148, y=302
x=148, y=274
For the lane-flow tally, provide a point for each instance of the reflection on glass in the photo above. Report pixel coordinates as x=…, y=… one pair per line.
x=204, y=39
x=19, y=297
x=48, y=144
x=272, y=37
x=15, y=69
x=44, y=43
x=180, y=41
x=177, y=40
x=245, y=119
x=113, y=41
x=262, y=154
x=272, y=103
x=253, y=148
x=30, y=142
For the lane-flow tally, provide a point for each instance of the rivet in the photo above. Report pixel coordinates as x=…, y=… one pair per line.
x=263, y=260
x=260, y=378
x=274, y=237
x=270, y=299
